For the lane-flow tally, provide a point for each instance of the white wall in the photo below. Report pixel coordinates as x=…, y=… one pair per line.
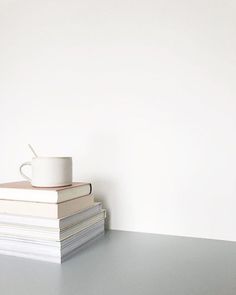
x=142, y=94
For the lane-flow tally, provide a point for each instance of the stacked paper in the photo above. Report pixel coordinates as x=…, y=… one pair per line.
x=74, y=220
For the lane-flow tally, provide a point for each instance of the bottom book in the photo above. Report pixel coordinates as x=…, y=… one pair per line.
x=52, y=251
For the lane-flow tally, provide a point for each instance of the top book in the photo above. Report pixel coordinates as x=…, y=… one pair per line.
x=24, y=191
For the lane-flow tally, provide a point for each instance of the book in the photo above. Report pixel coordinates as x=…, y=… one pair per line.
x=24, y=191
x=52, y=222
x=51, y=251
x=46, y=210
x=47, y=233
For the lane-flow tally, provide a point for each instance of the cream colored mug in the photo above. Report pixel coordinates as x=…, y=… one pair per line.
x=49, y=171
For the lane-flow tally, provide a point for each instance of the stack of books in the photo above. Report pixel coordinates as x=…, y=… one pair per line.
x=48, y=224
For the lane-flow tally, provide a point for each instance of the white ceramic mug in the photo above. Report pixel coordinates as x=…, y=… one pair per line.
x=49, y=171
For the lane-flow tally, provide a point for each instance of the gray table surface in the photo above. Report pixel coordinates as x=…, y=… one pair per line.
x=129, y=263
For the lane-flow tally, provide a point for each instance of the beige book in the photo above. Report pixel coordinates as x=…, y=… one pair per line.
x=46, y=210
x=24, y=191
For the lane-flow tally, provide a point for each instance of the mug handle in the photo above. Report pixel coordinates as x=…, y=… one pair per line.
x=21, y=172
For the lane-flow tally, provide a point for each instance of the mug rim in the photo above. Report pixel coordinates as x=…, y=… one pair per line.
x=35, y=158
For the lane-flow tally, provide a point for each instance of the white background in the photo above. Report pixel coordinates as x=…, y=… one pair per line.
x=142, y=94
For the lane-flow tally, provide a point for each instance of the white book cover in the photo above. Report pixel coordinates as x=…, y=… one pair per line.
x=55, y=234
x=48, y=252
x=58, y=244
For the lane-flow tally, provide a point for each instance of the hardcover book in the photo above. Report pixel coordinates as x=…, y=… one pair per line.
x=46, y=210
x=24, y=191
